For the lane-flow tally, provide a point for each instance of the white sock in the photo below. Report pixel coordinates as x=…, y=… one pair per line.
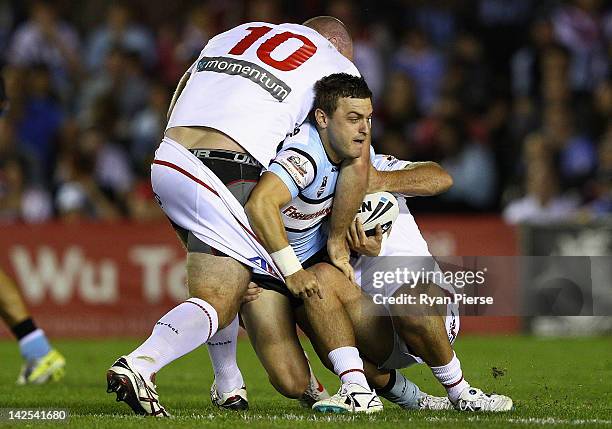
x=451, y=377
x=348, y=365
x=181, y=330
x=222, y=351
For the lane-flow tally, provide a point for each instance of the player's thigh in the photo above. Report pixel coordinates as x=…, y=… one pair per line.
x=270, y=324
x=219, y=280
x=419, y=315
x=371, y=323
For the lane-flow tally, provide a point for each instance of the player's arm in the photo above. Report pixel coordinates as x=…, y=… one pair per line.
x=177, y=92
x=421, y=179
x=263, y=210
x=350, y=189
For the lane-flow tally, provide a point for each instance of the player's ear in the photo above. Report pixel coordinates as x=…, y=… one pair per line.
x=321, y=118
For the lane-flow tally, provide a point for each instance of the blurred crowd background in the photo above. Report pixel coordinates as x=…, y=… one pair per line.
x=513, y=97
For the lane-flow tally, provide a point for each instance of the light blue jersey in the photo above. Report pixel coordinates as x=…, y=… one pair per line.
x=303, y=165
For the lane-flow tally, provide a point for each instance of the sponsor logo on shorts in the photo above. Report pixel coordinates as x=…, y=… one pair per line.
x=263, y=264
x=248, y=70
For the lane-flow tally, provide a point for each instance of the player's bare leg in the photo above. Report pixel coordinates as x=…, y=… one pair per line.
x=42, y=363
x=332, y=327
x=375, y=338
x=271, y=328
x=12, y=308
x=422, y=327
x=216, y=286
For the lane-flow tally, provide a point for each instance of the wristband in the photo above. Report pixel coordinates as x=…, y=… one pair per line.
x=286, y=261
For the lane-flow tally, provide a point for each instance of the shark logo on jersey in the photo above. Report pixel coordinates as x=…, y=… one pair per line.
x=299, y=165
x=322, y=188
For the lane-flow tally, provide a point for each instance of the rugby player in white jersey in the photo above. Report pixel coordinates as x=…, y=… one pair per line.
x=269, y=320
x=249, y=88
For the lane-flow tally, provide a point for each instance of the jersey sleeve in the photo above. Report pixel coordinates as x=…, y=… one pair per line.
x=296, y=168
x=387, y=162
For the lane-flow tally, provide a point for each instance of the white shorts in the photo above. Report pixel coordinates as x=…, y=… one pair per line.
x=404, y=248
x=194, y=198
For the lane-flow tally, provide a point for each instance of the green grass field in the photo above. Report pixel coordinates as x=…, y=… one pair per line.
x=554, y=382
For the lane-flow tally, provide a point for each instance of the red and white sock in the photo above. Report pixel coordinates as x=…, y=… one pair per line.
x=451, y=377
x=181, y=330
x=348, y=365
x=222, y=351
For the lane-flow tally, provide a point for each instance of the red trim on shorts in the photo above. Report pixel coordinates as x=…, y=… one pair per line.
x=186, y=173
x=199, y=182
x=210, y=324
x=448, y=386
x=351, y=370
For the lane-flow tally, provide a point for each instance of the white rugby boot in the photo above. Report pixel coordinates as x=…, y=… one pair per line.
x=473, y=399
x=235, y=400
x=435, y=403
x=134, y=389
x=351, y=398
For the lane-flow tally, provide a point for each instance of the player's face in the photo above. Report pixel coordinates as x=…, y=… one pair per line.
x=349, y=126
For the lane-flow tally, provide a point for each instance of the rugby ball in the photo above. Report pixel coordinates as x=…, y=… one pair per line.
x=378, y=208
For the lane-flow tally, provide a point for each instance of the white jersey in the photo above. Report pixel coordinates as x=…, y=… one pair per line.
x=255, y=82
x=405, y=229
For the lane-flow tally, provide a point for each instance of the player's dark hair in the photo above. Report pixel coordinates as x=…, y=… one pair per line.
x=339, y=85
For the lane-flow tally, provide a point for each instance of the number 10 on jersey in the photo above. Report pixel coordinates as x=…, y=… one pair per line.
x=293, y=61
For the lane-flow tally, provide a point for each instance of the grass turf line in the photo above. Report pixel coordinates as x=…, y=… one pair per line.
x=553, y=382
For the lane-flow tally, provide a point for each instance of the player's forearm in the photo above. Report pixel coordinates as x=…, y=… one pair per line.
x=177, y=92
x=417, y=179
x=265, y=219
x=350, y=189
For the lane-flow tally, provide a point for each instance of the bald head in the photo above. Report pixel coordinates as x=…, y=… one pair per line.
x=333, y=30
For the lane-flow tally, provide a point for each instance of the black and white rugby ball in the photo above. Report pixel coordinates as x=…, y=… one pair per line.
x=378, y=208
